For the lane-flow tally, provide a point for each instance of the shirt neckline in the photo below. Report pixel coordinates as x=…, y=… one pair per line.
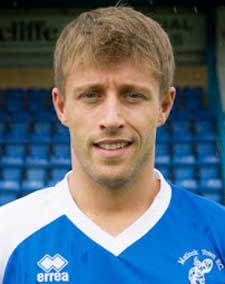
x=117, y=244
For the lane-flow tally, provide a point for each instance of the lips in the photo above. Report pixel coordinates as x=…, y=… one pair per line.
x=113, y=144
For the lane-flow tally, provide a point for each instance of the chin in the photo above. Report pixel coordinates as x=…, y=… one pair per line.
x=115, y=182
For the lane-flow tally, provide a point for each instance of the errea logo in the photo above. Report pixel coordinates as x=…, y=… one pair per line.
x=56, y=263
x=52, y=267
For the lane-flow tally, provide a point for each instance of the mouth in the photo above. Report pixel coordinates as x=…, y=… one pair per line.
x=112, y=146
x=113, y=149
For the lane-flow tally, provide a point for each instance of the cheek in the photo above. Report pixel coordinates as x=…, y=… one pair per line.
x=146, y=122
x=150, y=134
x=75, y=117
x=80, y=128
x=148, y=128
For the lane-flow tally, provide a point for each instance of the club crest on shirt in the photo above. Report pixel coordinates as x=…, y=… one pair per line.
x=201, y=263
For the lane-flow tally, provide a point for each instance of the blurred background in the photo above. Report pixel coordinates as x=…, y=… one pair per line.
x=34, y=146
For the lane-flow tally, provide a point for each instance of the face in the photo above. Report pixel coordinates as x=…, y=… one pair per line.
x=112, y=115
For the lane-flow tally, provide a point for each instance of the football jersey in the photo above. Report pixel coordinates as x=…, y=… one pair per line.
x=46, y=238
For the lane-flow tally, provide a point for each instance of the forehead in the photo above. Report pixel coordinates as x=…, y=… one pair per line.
x=117, y=73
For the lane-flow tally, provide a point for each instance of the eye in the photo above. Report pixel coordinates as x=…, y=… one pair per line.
x=134, y=97
x=90, y=97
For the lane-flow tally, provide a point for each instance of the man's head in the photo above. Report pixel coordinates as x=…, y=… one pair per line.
x=109, y=36
x=114, y=69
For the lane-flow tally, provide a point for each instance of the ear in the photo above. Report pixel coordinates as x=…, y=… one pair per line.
x=59, y=105
x=166, y=104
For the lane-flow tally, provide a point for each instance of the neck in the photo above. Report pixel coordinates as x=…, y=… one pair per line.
x=114, y=210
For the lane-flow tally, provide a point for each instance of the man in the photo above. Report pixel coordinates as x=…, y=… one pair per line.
x=113, y=218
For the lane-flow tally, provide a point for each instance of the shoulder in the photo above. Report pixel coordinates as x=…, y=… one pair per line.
x=23, y=217
x=200, y=220
x=28, y=213
x=195, y=204
x=24, y=210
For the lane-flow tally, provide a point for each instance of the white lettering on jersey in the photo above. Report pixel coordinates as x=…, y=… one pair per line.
x=53, y=277
x=198, y=269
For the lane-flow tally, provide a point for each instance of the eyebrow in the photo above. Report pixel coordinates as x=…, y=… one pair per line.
x=86, y=87
x=130, y=87
x=122, y=88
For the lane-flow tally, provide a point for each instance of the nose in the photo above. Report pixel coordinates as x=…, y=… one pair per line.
x=112, y=115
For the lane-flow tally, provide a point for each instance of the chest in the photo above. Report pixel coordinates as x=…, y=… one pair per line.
x=61, y=253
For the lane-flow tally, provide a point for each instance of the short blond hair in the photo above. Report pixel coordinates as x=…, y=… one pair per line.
x=110, y=35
